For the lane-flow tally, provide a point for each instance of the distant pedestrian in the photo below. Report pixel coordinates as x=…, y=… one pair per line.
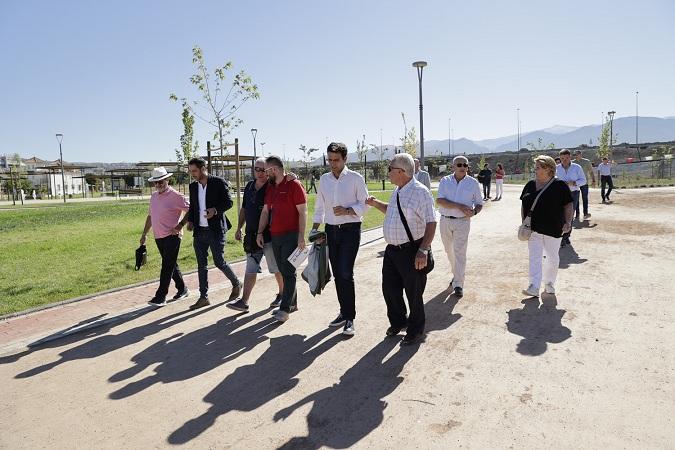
x=164, y=214
x=572, y=174
x=459, y=199
x=341, y=204
x=499, y=181
x=550, y=218
x=485, y=177
x=422, y=175
x=249, y=214
x=605, y=173
x=209, y=200
x=408, y=237
x=285, y=211
x=589, y=174
x=312, y=183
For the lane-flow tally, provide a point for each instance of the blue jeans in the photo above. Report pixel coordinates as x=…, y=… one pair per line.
x=575, y=205
x=584, y=200
x=343, y=245
x=205, y=239
x=284, y=245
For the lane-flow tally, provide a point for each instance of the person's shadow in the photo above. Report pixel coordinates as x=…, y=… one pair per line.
x=181, y=357
x=538, y=325
x=569, y=256
x=105, y=343
x=346, y=412
x=251, y=386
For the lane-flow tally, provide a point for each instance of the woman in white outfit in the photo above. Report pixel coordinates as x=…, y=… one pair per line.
x=551, y=217
x=499, y=180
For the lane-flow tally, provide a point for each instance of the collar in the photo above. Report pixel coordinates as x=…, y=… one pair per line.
x=408, y=185
x=454, y=180
x=344, y=173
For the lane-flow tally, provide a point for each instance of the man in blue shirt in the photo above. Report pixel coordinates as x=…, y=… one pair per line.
x=572, y=174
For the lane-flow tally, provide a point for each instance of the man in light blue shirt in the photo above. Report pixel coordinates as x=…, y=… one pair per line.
x=459, y=199
x=572, y=174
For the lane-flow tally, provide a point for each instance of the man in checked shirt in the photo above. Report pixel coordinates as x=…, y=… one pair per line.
x=405, y=257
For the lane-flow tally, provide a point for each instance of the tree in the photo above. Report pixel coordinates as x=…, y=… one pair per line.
x=660, y=154
x=215, y=110
x=361, y=152
x=307, y=160
x=409, y=141
x=187, y=149
x=482, y=161
x=604, y=150
x=539, y=146
x=379, y=164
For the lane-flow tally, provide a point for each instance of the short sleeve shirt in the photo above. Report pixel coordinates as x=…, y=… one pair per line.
x=165, y=211
x=253, y=203
x=282, y=201
x=548, y=216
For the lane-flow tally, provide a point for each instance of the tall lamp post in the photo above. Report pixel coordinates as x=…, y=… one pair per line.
x=611, y=133
x=59, y=137
x=637, y=147
x=254, y=132
x=262, y=148
x=420, y=65
x=518, y=126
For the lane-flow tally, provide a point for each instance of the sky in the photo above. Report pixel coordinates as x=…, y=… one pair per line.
x=101, y=72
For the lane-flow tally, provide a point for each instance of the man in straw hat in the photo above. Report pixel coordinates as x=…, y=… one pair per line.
x=166, y=208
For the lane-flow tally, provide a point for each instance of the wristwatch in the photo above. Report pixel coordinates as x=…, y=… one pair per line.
x=424, y=251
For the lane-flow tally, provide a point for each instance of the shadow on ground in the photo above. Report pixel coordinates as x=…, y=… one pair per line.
x=538, y=325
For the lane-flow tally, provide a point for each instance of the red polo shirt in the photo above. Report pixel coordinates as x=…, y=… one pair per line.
x=282, y=200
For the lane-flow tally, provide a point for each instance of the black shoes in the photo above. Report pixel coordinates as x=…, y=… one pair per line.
x=182, y=294
x=393, y=331
x=157, y=302
x=349, y=329
x=338, y=322
x=239, y=305
x=411, y=339
x=276, y=302
x=459, y=292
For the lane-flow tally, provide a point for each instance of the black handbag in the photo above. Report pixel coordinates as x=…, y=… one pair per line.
x=250, y=243
x=430, y=257
x=141, y=257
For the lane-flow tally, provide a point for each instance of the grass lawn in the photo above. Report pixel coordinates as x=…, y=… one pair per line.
x=60, y=252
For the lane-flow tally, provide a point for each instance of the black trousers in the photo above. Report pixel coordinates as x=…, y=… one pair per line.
x=398, y=275
x=343, y=245
x=604, y=181
x=486, y=188
x=284, y=245
x=168, y=248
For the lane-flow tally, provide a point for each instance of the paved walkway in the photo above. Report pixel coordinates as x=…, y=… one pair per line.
x=592, y=367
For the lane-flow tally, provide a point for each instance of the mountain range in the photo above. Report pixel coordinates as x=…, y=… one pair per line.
x=650, y=129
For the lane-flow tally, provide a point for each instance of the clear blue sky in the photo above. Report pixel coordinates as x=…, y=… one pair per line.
x=101, y=72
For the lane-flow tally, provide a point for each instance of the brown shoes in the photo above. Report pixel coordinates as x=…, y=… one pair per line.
x=203, y=301
x=236, y=290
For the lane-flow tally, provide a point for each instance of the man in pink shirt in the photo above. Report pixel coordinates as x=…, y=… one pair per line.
x=166, y=209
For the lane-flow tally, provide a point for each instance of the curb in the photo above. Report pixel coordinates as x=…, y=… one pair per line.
x=111, y=291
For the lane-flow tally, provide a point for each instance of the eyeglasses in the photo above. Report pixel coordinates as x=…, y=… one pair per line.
x=158, y=183
x=259, y=169
x=462, y=165
x=392, y=168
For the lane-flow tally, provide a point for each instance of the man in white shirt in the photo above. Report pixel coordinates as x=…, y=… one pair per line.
x=459, y=199
x=605, y=174
x=340, y=204
x=572, y=174
x=406, y=256
x=422, y=175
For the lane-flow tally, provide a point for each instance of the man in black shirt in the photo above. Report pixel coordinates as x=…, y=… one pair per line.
x=485, y=177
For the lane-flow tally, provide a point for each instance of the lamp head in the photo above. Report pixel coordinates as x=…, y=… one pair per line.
x=59, y=137
x=419, y=64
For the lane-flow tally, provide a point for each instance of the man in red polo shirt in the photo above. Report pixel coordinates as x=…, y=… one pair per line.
x=285, y=211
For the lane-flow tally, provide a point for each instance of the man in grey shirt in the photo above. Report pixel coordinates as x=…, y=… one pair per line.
x=421, y=175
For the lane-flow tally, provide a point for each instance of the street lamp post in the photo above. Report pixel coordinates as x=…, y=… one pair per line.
x=449, y=138
x=262, y=148
x=420, y=65
x=254, y=132
x=518, y=126
x=637, y=147
x=59, y=137
x=611, y=132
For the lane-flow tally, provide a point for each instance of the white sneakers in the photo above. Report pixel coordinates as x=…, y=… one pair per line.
x=549, y=288
x=531, y=291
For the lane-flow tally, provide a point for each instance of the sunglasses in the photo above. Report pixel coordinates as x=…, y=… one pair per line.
x=158, y=183
x=392, y=168
x=259, y=169
x=461, y=165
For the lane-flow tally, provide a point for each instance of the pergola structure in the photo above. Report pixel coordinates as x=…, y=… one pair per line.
x=55, y=168
x=223, y=158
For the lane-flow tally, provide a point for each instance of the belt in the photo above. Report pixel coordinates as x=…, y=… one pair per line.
x=452, y=217
x=345, y=225
x=408, y=244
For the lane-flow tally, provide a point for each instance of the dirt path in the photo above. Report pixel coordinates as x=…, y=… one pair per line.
x=595, y=370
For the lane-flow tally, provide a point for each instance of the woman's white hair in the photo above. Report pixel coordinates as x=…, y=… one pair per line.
x=404, y=161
